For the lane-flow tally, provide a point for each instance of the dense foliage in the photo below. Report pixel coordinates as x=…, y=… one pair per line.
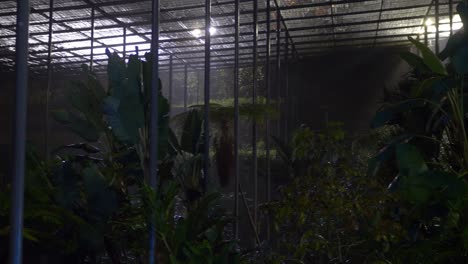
x=397, y=195
x=91, y=203
x=338, y=209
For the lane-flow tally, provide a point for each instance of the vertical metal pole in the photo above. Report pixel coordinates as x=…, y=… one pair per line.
x=426, y=39
x=154, y=120
x=278, y=66
x=185, y=87
x=437, y=23
x=450, y=2
x=93, y=14
x=206, y=164
x=332, y=16
x=21, y=107
x=254, y=101
x=171, y=64
x=49, y=79
x=236, y=119
x=378, y=21
x=124, y=43
x=286, y=91
x=268, y=101
x=198, y=88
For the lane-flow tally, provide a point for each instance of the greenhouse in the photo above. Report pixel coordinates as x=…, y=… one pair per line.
x=233, y=131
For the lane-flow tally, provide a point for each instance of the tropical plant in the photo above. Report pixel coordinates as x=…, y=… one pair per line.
x=51, y=227
x=221, y=116
x=329, y=211
x=194, y=236
x=429, y=157
x=100, y=184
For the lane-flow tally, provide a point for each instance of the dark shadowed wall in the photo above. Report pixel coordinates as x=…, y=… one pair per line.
x=345, y=85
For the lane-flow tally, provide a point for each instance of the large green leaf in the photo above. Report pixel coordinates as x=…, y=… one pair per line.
x=430, y=59
x=410, y=161
x=163, y=126
x=125, y=89
x=116, y=74
x=163, y=106
x=413, y=174
x=85, y=119
x=414, y=61
x=449, y=184
x=462, y=10
x=88, y=148
x=77, y=124
x=131, y=105
x=191, y=132
x=101, y=199
x=460, y=58
x=389, y=113
x=86, y=98
x=68, y=194
x=84, y=128
x=111, y=110
x=127, y=108
x=386, y=154
x=426, y=87
x=418, y=184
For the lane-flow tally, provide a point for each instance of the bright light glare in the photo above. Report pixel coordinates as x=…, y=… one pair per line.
x=444, y=25
x=212, y=30
x=198, y=33
x=457, y=23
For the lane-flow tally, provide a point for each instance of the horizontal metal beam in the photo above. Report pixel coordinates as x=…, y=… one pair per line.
x=244, y=34
x=185, y=7
x=191, y=52
x=188, y=30
x=294, y=34
x=304, y=51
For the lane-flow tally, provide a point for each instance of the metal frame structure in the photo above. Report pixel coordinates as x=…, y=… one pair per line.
x=254, y=101
x=19, y=161
x=236, y=117
x=268, y=101
x=307, y=26
x=206, y=120
x=42, y=40
x=154, y=121
x=49, y=78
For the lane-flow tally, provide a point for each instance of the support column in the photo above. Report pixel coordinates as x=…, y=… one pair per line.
x=426, y=39
x=206, y=163
x=93, y=14
x=21, y=108
x=254, y=101
x=451, y=16
x=124, y=55
x=278, y=69
x=236, y=120
x=268, y=101
x=154, y=120
x=437, y=24
x=198, y=87
x=185, y=87
x=286, y=91
x=49, y=80
x=170, y=83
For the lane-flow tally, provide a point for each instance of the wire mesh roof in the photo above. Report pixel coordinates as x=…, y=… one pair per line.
x=309, y=27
